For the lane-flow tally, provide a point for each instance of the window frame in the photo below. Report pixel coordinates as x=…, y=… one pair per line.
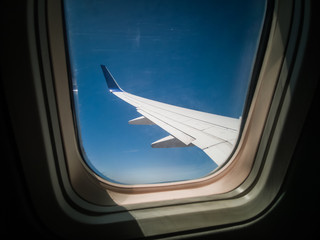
x=80, y=200
x=225, y=180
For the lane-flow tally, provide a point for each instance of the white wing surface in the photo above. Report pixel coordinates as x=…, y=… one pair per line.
x=215, y=135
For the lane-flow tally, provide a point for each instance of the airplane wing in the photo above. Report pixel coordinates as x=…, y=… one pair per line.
x=216, y=135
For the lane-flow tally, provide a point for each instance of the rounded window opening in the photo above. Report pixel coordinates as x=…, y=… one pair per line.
x=159, y=87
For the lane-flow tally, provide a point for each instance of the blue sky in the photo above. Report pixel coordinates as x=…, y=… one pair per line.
x=193, y=53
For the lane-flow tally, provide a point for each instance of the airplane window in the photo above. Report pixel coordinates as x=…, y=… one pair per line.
x=159, y=87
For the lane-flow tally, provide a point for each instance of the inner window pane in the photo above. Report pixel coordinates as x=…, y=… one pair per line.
x=195, y=54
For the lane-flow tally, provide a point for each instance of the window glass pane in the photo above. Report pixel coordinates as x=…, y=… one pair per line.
x=195, y=54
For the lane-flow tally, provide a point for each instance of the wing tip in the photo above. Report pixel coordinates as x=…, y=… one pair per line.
x=111, y=82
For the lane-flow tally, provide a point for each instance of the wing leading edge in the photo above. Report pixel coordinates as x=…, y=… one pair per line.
x=216, y=135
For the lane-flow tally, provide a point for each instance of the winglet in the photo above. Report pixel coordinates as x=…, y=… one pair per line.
x=112, y=84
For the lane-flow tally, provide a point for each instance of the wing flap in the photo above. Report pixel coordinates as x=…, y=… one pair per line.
x=185, y=138
x=200, y=139
x=222, y=133
x=219, y=153
x=200, y=125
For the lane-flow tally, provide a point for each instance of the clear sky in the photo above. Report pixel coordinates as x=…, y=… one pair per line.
x=195, y=54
